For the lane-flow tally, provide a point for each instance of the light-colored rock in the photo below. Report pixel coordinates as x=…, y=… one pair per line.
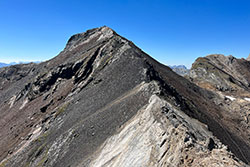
x=230, y=98
x=153, y=138
x=247, y=98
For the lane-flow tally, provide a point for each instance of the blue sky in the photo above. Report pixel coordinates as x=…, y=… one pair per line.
x=171, y=31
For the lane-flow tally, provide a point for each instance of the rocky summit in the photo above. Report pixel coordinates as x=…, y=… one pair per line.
x=104, y=102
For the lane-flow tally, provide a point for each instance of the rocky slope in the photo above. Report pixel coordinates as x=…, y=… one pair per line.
x=229, y=78
x=104, y=102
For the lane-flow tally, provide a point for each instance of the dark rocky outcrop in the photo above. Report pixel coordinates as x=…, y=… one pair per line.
x=103, y=101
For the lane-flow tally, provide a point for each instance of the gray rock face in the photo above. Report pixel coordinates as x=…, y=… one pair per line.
x=104, y=102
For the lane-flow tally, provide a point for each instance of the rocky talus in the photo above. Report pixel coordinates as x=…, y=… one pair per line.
x=104, y=102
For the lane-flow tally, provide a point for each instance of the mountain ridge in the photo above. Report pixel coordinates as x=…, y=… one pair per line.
x=233, y=71
x=71, y=108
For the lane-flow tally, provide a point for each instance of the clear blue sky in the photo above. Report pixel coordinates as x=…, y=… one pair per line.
x=172, y=31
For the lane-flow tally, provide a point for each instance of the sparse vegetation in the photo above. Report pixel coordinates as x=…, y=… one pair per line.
x=42, y=137
x=61, y=110
x=44, y=158
x=107, y=61
x=3, y=164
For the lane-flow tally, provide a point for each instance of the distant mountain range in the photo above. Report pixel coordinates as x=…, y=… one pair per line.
x=6, y=64
x=13, y=63
x=178, y=66
x=180, y=69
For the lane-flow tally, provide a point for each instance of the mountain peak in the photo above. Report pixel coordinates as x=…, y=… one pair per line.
x=178, y=66
x=95, y=34
x=215, y=55
x=180, y=69
x=233, y=71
